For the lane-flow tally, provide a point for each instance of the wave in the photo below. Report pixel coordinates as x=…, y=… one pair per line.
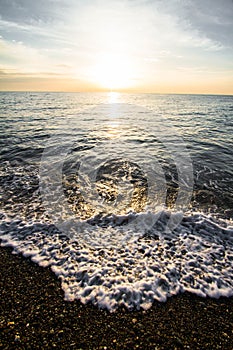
x=149, y=265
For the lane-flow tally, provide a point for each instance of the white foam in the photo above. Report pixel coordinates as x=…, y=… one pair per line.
x=196, y=257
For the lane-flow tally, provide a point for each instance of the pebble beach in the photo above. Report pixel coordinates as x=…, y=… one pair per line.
x=34, y=315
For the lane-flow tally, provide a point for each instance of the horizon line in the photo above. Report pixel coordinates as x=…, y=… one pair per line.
x=120, y=92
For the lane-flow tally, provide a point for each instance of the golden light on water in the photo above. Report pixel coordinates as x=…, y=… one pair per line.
x=113, y=97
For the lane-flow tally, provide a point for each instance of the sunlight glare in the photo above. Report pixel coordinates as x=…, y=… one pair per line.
x=113, y=72
x=113, y=97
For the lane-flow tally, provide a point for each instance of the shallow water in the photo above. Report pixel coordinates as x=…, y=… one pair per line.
x=129, y=198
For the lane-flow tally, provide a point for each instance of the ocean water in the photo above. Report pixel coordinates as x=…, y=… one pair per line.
x=127, y=197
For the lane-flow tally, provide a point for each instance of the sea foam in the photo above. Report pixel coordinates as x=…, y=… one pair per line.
x=196, y=257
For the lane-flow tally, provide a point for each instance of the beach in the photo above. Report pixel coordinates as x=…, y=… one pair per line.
x=116, y=175
x=34, y=315
x=119, y=216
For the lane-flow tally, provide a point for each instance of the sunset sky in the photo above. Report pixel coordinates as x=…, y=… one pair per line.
x=164, y=46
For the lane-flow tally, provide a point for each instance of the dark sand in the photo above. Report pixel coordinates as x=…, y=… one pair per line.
x=33, y=315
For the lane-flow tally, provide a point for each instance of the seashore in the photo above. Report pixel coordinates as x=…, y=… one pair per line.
x=34, y=315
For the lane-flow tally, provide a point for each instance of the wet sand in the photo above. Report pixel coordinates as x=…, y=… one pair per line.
x=34, y=315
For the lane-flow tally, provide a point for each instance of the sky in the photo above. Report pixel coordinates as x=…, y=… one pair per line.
x=162, y=46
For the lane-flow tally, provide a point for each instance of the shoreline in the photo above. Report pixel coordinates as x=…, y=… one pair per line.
x=34, y=315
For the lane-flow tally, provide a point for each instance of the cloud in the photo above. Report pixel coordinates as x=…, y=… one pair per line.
x=210, y=18
x=97, y=24
x=26, y=58
x=68, y=37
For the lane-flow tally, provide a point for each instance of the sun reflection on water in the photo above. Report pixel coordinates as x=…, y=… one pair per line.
x=113, y=97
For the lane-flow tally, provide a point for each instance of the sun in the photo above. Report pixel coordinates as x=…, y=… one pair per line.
x=113, y=71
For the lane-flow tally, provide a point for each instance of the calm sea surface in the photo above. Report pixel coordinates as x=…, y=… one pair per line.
x=127, y=197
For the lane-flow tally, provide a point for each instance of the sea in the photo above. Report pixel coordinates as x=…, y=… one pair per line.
x=127, y=198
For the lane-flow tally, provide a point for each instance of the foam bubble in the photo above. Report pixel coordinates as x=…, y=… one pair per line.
x=196, y=257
